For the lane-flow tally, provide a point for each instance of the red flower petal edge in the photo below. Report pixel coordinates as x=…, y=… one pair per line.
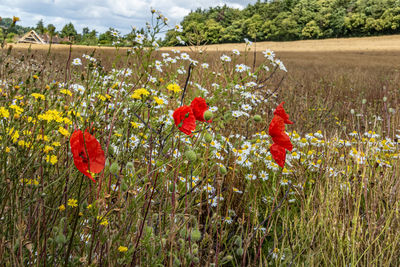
x=278, y=154
x=280, y=111
x=184, y=119
x=90, y=157
x=199, y=106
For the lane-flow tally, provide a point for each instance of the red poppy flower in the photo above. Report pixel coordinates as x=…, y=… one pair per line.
x=279, y=137
x=199, y=106
x=185, y=119
x=280, y=111
x=90, y=157
x=278, y=154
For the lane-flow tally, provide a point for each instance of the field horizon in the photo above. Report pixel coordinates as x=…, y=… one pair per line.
x=373, y=43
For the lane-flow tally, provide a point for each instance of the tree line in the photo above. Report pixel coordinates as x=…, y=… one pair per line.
x=284, y=20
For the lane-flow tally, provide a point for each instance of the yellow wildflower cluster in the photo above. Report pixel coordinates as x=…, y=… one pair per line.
x=66, y=92
x=38, y=96
x=18, y=110
x=4, y=112
x=174, y=88
x=63, y=131
x=29, y=181
x=138, y=93
x=52, y=159
x=54, y=115
x=158, y=100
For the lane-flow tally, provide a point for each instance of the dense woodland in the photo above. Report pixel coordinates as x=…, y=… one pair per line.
x=284, y=20
x=277, y=20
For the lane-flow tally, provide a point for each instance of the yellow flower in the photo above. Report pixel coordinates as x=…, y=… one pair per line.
x=8, y=150
x=102, y=97
x=174, y=87
x=61, y=207
x=38, y=96
x=66, y=92
x=103, y=221
x=63, y=131
x=35, y=77
x=52, y=159
x=138, y=93
x=159, y=101
x=15, y=19
x=134, y=124
x=18, y=110
x=47, y=149
x=4, y=112
x=72, y=202
x=122, y=249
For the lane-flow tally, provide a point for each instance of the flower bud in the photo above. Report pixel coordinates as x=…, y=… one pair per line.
x=195, y=235
x=208, y=115
x=129, y=166
x=61, y=239
x=384, y=99
x=227, y=258
x=257, y=118
x=364, y=101
x=239, y=252
x=352, y=111
x=222, y=169
x=114, y=168
x=208, y=138
x=191, y=155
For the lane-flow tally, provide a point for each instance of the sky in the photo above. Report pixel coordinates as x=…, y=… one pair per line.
x=100, y=15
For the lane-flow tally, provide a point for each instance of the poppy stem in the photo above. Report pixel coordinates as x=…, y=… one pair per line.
x=75, y=224
x=187, y=82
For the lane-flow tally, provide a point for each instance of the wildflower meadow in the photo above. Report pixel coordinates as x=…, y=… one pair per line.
x=173, y=158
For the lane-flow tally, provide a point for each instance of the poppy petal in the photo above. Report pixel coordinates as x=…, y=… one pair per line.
x=184, y=119
x=199, y=106
x=277, y=126
x=278, y=154
x=280, y=111
x=283, y=140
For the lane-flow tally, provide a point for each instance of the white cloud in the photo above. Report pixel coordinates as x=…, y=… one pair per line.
x=100, y=15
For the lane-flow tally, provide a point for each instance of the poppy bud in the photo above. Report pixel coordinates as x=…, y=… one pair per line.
x=384, y=99
x=61, y=239
x=364, y=101
x=257, y=118
x=208, y=138
x=208, y=115
x=239, y=252
x=227, y=258
x=352, y=111
x=186, y=115
x=222, y=170
x=195, y=235
x=191, y=155
x=129, y=166
x=114, y=168
x=180, y=125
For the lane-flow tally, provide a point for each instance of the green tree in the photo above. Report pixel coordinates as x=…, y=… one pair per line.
x=40, y=27
x=69, y=31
